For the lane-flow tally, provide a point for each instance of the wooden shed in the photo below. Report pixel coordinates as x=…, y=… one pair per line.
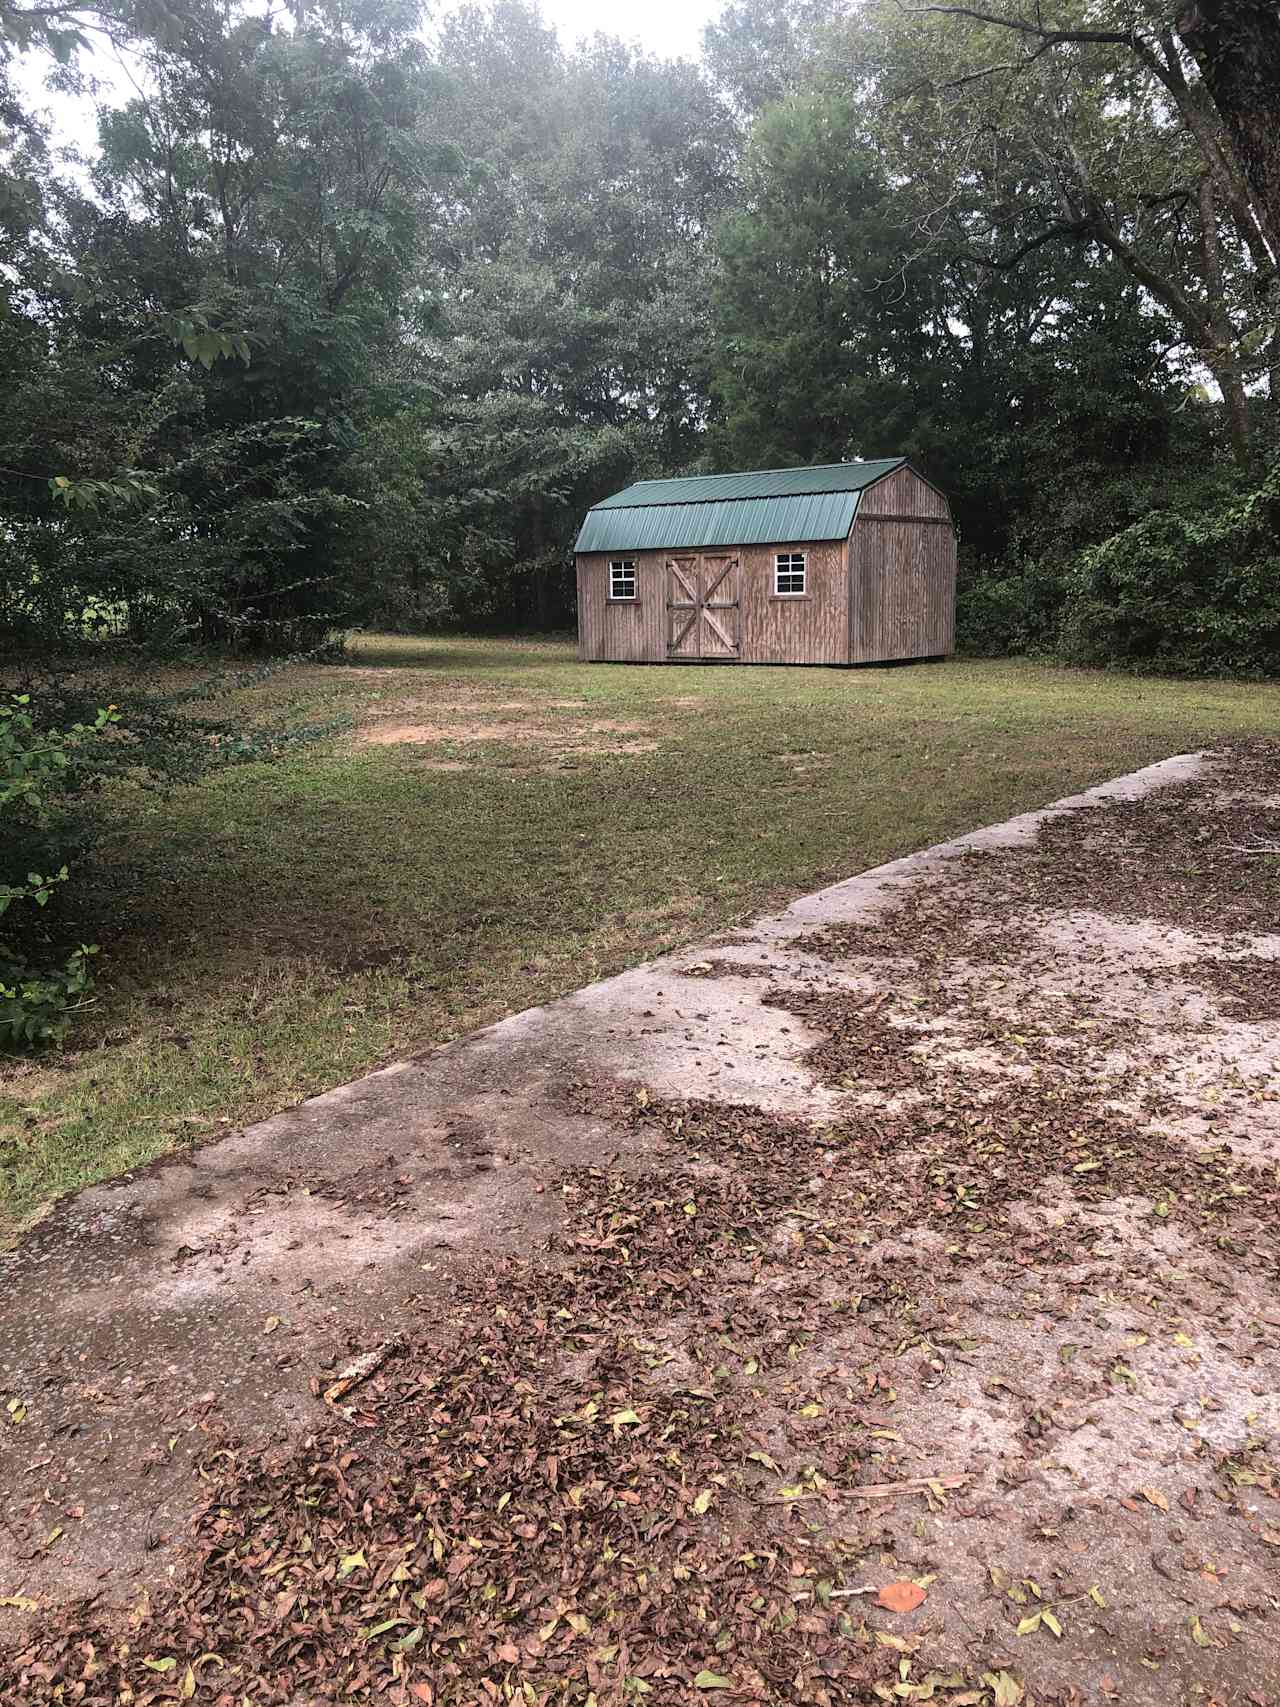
x=851, y=563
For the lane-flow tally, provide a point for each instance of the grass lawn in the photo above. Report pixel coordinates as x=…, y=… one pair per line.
x=503, y=824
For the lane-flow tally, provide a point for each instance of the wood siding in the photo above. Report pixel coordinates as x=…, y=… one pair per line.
x=618, y=630
x=809, y=630
x=770, y=630
x=903, y=493
x=903, y=589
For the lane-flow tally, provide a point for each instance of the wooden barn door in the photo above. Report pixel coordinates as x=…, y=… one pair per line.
x=704, y=605
x=721, y=574
x=683, y=606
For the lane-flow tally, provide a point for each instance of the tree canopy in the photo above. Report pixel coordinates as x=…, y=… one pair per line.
x=338, y=323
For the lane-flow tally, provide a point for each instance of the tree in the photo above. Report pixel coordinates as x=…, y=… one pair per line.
x=1157, y=155
x=1236, y=47
x=572, y=350
x=839, y=333
x=267, y=190
x=760, y=51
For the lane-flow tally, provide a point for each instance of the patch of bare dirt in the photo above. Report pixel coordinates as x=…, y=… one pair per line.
x=565, y=741
x=459, y=731
x=616, y=726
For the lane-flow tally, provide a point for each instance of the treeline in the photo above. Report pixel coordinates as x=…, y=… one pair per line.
x=335, y=327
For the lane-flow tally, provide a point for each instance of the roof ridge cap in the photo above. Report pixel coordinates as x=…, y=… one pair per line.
x=784, y=468
x=746, y=497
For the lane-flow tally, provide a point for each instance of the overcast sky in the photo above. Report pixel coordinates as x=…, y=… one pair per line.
x=671, y=28
x=668, y=27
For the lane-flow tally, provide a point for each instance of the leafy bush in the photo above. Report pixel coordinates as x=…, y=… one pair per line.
x=38, y=986
x=1195, y=594
x=35, y=1007
x=1007, y=609
x=62, y=763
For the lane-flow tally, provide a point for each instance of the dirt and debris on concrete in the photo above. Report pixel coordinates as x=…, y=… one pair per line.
x=880, y=1304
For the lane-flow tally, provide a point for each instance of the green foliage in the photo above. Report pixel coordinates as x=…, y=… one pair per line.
x=190, y=368
x=840, y=333
x=344, y=328
x=568, y=351
x=1191, y=594
x=66, y=768
x=36, y=1007
x=1009, y=608
x=38, y=987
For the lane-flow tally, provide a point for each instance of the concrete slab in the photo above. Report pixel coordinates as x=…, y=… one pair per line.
x=214, y=1287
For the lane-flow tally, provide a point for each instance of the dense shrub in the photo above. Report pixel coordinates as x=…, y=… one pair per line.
x=39, y=984
x=1008, y=609
x=1195, y=594
x=63, y=765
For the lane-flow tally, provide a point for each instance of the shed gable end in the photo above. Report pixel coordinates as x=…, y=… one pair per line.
x=904, y=493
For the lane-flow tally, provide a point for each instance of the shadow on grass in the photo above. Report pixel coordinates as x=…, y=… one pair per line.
x=443, y=652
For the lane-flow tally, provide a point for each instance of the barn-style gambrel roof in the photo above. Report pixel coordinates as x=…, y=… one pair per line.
x=767, y=506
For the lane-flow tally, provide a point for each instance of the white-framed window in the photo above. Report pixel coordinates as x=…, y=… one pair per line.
x=789, y=574
x=622, y=578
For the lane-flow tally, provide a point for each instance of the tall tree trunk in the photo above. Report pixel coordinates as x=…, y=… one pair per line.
x=1236, y=44
x=1223, y=357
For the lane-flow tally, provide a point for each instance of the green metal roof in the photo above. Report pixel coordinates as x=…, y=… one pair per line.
x=768, y=506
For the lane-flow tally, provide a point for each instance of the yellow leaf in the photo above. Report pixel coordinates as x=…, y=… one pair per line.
x=1051, y=1622
x=1030, y=1624
x=187, y=1688
x=702, y=1502
x=1007, y=1690
x=1155, y=1497
x=1199, y=1635
x=22, y=1602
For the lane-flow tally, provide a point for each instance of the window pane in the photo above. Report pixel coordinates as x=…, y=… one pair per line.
x=789, y=572
x=622, y=579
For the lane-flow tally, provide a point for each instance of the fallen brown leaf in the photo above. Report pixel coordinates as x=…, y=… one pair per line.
x=900, y=1597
